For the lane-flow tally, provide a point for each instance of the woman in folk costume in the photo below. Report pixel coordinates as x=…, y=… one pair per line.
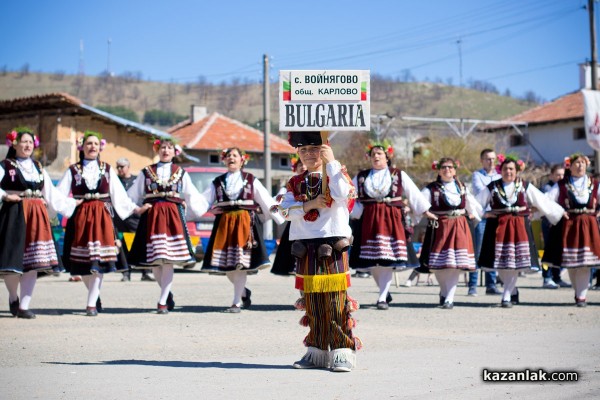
x=284, y=263
x=508, y=243
x=381, y=241
x=236, y=247
x=91, y=248
x=320, y=231
x=26, y=245
x=575, y=241
x=162, y=240
x=448, y=247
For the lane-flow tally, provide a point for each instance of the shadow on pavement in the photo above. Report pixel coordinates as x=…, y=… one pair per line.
x=178, y=364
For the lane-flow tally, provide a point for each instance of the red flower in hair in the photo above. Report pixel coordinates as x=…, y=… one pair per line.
x=434, y=165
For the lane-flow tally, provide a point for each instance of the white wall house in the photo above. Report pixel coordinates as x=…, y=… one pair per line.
x=555, y=130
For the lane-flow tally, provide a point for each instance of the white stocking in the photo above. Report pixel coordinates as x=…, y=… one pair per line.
x=580, y=279
x=95, y=283
x=165, y=277
x=157, y=271
x=28, y=280
x=509, y=277
x=383, y=277
x=238, y=278
x=12, y=285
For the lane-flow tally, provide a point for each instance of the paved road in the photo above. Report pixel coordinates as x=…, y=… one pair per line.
x=414, y=350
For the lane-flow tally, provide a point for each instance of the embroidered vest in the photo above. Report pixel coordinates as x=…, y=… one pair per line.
x=499, y=201
x=15, y=181
x=438, y=197
x=247, y=193
x=396, y=189
x=567, y=199
x=169, y=190
x=78, y=186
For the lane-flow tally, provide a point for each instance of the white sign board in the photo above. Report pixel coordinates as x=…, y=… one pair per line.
x=591, y=107
x=324, y=100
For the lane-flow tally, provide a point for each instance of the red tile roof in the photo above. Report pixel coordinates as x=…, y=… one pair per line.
x=564, y=108
x=216, y=132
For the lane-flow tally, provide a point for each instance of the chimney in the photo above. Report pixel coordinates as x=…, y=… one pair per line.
x=585, y=75
x=197, y=113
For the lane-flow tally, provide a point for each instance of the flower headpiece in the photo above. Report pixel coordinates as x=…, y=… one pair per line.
x=243, y=154
x=502, y=159
x=436, y=165
x=571, y=159
x=385, y=145
x=14, y=136
x=156, y=145
x=294, y=158
x=86, y=135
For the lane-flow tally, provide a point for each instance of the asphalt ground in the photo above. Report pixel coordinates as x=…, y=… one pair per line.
x=413, y=350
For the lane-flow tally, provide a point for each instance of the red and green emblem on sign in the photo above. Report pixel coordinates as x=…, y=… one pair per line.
x=287, y=95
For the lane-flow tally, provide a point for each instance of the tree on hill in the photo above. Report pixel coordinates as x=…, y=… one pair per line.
x=162, y=118
x=120, y=111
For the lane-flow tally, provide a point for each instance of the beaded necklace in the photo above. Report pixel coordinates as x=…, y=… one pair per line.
x=314, y=189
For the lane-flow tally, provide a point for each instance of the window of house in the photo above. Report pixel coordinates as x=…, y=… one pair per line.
x=579, y=134
x=284, y=162
x=517, y=140
x=213, y=159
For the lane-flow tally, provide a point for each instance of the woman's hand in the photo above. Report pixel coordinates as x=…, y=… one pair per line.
x=142, y=209
x=430, y=215
x=490, y=215
x=13, y=198
x=566, y=215
x=314, y=204
x=327, y=154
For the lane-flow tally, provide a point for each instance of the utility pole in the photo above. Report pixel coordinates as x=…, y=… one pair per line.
x=593, y=44
x=594, y=67
x=268, y=226
x=460, y=82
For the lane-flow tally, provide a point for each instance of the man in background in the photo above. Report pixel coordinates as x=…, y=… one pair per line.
x=480, y=179
x=131, y=223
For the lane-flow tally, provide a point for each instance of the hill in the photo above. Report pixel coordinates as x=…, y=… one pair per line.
x=243, y=100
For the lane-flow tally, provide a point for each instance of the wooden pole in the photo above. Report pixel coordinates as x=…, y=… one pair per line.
x=324, y=139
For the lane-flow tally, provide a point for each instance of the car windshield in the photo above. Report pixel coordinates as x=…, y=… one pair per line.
x=202, y=180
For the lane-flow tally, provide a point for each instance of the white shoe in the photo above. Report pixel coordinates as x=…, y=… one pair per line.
x=549, y=284
x=408, y=283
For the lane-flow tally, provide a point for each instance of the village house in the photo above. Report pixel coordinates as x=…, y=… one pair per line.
x=59, y=119
x=204, y=135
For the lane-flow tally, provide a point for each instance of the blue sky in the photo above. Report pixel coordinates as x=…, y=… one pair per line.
x=514, y=44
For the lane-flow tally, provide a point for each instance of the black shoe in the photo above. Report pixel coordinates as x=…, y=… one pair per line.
x=388, y=298
x=447, y=305
x=99, y=305
x=246, y=302
x=25, y=314
x=514, y=298
x=506, y=304
x=492, y=290
x=91, y=311
x=14, y=307
x=170, y=302
x=442, y=300
x=382, y=305
x=162, y=309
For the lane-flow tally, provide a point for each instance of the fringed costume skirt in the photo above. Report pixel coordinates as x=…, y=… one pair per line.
x=90, y=241
x=508, y=244
x=328, y=307
x=236, y=243
x=27, y=243
x=574, y=242
x=162, y=237
x=448, y=243
x=380, y=239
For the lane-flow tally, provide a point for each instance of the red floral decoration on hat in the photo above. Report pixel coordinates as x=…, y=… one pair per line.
x=386, y=146
x=501, y=159
x=14, y=136
x=567, y=162
x=435, y=165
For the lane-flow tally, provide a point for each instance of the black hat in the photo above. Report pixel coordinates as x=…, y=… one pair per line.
x=297, y=139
